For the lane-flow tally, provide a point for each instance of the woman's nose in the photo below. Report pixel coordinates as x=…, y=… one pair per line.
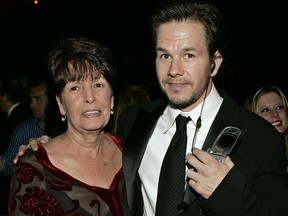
x=274, y=112
x=90, y=96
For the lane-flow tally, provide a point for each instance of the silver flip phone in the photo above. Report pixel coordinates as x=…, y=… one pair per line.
x=224, y=143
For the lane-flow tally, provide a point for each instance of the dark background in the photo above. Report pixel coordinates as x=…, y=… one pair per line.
x=257, y=39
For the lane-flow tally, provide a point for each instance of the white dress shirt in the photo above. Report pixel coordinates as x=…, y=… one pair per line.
x=158, y=144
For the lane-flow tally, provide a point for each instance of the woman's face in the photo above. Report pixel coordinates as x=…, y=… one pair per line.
x=271, y=108
x=87, y=104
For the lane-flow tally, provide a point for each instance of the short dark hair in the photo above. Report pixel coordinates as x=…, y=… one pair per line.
x=206, y=13
x=85, y=56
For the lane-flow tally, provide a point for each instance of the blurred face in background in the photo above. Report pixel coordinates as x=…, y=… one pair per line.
x=39, y=101
x=271, y=108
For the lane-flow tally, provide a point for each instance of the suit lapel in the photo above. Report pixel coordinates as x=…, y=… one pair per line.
x=214, y=131
x=134, y=149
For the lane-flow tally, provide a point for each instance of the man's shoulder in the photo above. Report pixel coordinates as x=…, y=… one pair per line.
x=21, y=112
x=28, y=122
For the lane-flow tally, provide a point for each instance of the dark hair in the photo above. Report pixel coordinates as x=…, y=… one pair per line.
x=75, y=59
x=206, y=13
x=14, y=90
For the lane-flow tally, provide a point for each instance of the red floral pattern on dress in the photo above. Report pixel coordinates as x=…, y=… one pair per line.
x=37, y=202
x=40, y=188
x=26, y=172
x=59, y=185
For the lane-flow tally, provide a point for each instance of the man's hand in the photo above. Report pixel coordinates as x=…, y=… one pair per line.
x=33, y=144
x=206, y=172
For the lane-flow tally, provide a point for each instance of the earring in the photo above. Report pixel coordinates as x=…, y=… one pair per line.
x=63, y=118
x=111, y=111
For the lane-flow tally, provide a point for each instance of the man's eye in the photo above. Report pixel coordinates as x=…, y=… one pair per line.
x=164, y=56
x=189, y=55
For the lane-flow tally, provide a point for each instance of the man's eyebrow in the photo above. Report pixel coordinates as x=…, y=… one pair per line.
x=189, y=49
x=186, y=49
x=161, y=49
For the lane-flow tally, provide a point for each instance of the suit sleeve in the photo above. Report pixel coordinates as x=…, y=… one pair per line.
x=260, y=188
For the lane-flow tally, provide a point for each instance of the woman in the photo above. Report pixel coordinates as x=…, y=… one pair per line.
x=128, y=96
x=80, y=171
x=271, y=103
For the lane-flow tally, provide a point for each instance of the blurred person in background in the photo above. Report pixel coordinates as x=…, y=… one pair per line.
x=45, y=120
x=128, y=96
x=270, y=102
x=13, y=102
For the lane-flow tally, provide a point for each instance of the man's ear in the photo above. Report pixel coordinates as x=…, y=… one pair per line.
x=217, y=59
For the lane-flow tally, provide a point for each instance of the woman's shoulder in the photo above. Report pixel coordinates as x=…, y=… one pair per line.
x=31, y=157
x=116, y=140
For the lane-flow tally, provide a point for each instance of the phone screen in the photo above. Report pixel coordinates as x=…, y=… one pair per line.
x=225, y=142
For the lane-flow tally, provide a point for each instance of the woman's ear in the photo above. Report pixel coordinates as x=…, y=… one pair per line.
x=62, y=111
x=112, y=102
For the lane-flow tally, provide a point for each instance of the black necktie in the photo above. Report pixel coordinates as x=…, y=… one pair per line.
x=172, y=176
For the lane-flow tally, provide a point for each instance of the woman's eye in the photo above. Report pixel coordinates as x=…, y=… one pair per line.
x=99, y=85
x=264, y=110
x=74, y=88
x=280, y=107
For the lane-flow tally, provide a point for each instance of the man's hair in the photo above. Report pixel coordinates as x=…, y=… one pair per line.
x=14, y=90
x=205, y=13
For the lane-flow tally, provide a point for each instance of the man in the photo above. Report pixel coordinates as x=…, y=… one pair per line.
x=251, y=181
x=13, y=102
x=31, y=127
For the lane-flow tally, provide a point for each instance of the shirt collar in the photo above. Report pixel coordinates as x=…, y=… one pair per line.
x=11, y=109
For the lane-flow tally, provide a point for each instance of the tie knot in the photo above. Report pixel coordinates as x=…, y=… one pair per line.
x=181, y=122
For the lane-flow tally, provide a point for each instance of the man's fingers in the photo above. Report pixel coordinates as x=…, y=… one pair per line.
x=33, y=144
x=44, y=139
x=21, y=151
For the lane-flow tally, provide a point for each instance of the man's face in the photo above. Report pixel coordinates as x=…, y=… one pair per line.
x=183, y=63
x=39, y=101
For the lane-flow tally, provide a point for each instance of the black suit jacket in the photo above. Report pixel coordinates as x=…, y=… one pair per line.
x=18, y=114
x=256, y=185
